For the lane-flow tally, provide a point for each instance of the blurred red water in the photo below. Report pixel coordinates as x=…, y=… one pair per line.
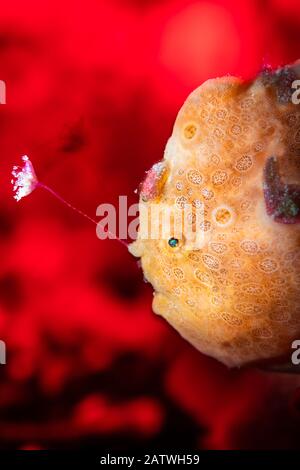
x=93, y=89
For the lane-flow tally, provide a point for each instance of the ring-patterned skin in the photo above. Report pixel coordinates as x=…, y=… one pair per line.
x=235, y=152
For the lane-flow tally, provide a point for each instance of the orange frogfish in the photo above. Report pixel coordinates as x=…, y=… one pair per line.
x=235, y=154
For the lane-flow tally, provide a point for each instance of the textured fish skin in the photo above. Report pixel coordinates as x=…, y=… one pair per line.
x=282, y=200
x=235, y=150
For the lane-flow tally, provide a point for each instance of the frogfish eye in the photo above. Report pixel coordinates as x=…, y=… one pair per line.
x=173, y=242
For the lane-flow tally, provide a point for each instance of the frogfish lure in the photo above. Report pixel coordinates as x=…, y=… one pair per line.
x=235, y=153
x=24, y=181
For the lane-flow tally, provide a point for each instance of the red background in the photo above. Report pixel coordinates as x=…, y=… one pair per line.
x=93, y=89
